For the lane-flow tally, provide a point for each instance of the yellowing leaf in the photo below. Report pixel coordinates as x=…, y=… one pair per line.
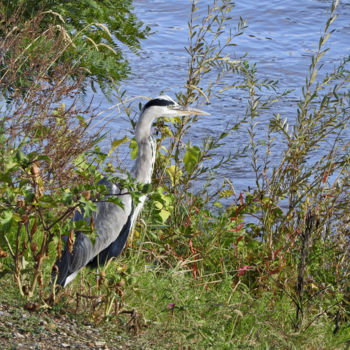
x=134, y=149
x=166, y=131
x=174, y=174
x=226, y=194
x=117, y=143
x=158, y=205
x=164, y=214
x=136, y=234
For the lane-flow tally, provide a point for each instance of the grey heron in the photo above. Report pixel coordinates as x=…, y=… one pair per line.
x=112, y=222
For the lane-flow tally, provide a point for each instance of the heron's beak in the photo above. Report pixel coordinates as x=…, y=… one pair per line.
x=189, y=111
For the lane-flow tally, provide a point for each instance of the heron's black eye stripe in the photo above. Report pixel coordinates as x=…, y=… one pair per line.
x=158, y=102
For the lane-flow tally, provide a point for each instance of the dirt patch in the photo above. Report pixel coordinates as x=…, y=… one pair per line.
x=23, y=329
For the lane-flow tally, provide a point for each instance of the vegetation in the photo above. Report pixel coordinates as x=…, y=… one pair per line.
x=267, y=268
x=101, y=30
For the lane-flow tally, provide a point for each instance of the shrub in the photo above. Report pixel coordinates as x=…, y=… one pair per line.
x=45, y=174
x=101, y=31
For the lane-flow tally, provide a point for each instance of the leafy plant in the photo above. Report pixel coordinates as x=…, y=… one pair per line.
x=100, y=30
x=49, y=163
x=300, y=202
x=299, y=205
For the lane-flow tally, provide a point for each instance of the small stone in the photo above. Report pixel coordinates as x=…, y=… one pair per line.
x=100, y=343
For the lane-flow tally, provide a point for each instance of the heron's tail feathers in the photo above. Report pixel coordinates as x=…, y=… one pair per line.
x=66, y=268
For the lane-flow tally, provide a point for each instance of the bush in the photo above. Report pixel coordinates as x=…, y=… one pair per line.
x=101, y=31
x=45, y=174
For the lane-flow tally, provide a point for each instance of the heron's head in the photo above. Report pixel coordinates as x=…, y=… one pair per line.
x=162, y=106
x=165, y=106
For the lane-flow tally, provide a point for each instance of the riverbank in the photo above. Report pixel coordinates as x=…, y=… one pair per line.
x=165, y=310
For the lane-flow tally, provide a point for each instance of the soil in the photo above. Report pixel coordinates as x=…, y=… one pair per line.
x=25, y=329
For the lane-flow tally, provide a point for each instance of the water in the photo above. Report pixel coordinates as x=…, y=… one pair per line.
x=280, y=38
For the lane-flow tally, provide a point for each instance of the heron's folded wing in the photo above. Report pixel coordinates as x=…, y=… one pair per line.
x=109, y=221
x=110, y=218
x=116, y=247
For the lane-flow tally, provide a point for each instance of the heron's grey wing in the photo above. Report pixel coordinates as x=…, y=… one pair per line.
x=115, y=247
x=109, y=220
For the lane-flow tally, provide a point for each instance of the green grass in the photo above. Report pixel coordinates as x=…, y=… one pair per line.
x=172, y=310
x=221, y=315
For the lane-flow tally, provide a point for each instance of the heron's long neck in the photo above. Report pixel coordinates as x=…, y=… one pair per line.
x=143, y=168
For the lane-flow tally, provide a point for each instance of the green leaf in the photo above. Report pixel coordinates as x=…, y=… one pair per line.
x=218, y=204
x=67, y=199
x=88, y=206
x=79, y=160
x=158, y=205
x=6, y=217
x=115, y=200
x=82, y=120
x=191, y=158
x=9, y=164
x=29, y=197
x=134, y=149
x=147, y=188
x=174, y=174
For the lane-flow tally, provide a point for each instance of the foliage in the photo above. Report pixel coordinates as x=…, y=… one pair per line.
x=302, y=203
x=298, y=242
x=101, y=30
x=180, y=165
x=49, y=162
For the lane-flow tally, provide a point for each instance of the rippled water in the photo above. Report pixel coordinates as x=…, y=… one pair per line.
x=281, y=37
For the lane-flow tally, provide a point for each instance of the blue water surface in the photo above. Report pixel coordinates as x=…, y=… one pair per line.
x=280, y=38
